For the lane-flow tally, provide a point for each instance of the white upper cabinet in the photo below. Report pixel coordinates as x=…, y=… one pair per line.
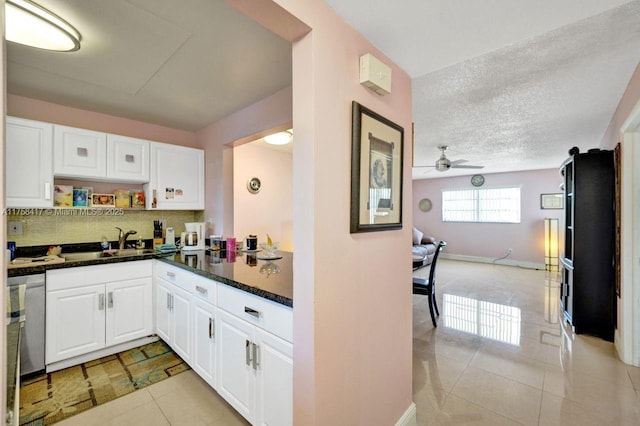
x=177, y=178
x=127, y=159
x=79, y=153
x=86, y=154
x=29, y=164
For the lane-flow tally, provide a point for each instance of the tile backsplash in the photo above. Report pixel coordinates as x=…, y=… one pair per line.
x=67, y=226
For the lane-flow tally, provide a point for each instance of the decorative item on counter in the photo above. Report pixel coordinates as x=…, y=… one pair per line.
x=79, y=197
x=54, y=250
x=140, y=243
x=137, y=199
x=231, y=244
x=239, y=245
x=105, y=244
x=11, y=246
x=214, y=242
x=103, y=200
x=63, y=196
x=269, y=248
x=252, y=242
x=122, y=198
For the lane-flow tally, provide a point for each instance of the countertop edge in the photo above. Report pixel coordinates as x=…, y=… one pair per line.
x=41, y=269
x=282, y=300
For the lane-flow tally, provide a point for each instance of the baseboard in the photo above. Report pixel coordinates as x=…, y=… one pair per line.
x=65, y=363
x=505, y=262
x=409, y=417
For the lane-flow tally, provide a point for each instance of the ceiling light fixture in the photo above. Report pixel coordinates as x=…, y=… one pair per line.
x=32, y=25
x=280, y=138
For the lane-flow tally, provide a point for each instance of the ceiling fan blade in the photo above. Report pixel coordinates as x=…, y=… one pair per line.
x=467, y=167
x=419, y=167
x=453, y=163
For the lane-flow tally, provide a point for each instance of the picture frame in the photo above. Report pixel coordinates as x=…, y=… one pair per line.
x=80, y=197
x=103, y=200
x=552, y=201
x=377, y=147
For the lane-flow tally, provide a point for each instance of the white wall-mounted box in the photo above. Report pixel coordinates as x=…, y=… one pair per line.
x=375, y=75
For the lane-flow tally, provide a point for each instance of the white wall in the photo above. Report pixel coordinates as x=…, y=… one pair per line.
x=491, y=240
x=270, y=211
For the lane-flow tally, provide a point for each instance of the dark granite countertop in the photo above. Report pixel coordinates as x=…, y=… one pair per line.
x=272, y=280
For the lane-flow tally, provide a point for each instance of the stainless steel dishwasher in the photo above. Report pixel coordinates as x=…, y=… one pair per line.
x=32, y=346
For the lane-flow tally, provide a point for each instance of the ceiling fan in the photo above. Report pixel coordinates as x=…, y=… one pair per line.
x=443, y=163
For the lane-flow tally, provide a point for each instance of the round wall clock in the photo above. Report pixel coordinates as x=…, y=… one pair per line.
x=254, y=185
x=425, y=205
x=477, y=180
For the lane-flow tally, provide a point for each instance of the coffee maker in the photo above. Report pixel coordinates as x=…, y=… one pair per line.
x=193, y=238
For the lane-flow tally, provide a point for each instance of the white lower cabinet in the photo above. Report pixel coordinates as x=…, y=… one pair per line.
x=240, y=344
x=204, y=341
x=173, y=317
x=255, y=366
x=89, y=308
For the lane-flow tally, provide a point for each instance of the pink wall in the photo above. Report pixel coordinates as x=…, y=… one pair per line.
x=629, y=100
x=251, y=123
x=270, y=211
x=33, y=109
x=491, y=240
x=352, y=292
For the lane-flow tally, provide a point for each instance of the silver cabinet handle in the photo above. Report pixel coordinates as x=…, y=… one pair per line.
x=82, y=152
x=201, y=290
x=212, y=332
x=252, y=312
x=47, y=190
x=169, y=301
x=101, y=302
x=171, y=274
x=247, y=352
x=129, y=158
x=255, y=356
x=110, y=299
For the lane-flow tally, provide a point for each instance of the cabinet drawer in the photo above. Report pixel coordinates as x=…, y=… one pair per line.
x=270, y=316
x=201, y=287
x=59, y=279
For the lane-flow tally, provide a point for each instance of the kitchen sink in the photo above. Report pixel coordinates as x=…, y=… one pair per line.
x=71, y=257
x=91, y=255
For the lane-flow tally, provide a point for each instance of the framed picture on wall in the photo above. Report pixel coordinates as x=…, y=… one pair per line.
x=376, y=171
x=552, y=201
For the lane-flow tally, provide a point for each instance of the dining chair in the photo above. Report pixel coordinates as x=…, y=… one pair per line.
x=427, y=287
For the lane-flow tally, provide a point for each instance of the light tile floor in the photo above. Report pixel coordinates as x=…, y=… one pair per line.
x=499, y=356
x=185, y=399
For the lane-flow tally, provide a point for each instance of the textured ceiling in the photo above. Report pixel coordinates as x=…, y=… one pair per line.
x=510, y=84
x=183, y=64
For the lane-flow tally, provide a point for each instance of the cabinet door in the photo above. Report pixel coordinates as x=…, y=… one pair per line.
x=163, y=310
x=274, y=380
x=75, y=322
x=79, y=152
x=204, y=341
x=177, y=176
x=236, y=378
x=127, y=159
x=29, y=163
x=181, y=323
x=129, y=312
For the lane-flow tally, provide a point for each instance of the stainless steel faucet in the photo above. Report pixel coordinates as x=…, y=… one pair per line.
x=122, y=237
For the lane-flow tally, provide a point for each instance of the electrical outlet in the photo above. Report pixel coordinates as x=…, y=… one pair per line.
x=509, y=250
x=15, y=227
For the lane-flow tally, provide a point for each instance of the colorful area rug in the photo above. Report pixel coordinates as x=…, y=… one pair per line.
x=52, y=397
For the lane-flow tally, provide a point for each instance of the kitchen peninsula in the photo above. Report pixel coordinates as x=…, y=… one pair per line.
x=228, y=315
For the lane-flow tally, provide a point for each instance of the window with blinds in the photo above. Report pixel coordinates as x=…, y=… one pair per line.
x=493, y=205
